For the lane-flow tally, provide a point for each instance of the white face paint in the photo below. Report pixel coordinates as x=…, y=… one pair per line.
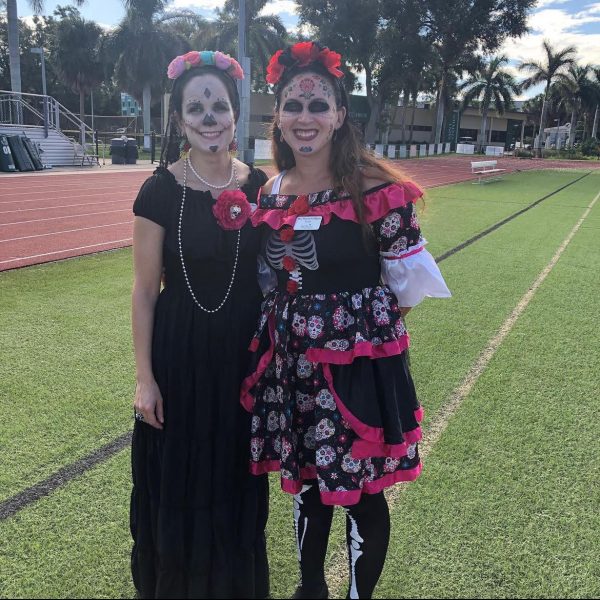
x=308, y=115
x=208, y=120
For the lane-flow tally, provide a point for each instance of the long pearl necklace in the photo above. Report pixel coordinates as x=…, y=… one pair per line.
x=216, y=187
x=237, y=246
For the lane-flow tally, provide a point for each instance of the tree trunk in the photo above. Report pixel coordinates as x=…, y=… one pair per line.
x=483, y=128
x=595, y=126
x=540, y=142
x=439, y=121
x=412, y=118
x=573, y=128
x=82, y=118
x=371, y=129
x=405, y=102
x=146, y=99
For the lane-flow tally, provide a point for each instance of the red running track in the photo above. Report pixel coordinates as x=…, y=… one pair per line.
x=47, y=217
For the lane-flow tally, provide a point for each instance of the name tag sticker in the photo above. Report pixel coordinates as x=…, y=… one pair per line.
x=307, y=223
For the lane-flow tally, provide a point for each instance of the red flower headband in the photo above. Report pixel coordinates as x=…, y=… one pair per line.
x=301, y=55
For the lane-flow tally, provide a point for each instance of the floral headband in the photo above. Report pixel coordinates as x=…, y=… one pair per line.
x=224, y=62
x=301, y=55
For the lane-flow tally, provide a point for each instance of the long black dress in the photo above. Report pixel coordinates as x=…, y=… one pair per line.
x=197, y=515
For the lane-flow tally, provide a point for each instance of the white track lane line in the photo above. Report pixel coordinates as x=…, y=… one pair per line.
x=11, y=260
x=104, y=212
x=28, y=237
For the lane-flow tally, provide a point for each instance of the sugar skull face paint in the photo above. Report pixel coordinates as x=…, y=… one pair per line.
x=308, y=115
x=208, y=119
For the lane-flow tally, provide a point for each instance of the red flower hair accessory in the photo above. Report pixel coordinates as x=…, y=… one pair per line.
x=232, y=209
x=303, y=54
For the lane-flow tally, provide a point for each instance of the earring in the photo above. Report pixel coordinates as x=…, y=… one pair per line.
x=184, y=148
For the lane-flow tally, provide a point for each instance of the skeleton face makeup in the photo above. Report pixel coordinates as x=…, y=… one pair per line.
x=308, y=115
x=208, y=120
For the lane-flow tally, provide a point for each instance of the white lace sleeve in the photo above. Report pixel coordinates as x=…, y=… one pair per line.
x=413, y=275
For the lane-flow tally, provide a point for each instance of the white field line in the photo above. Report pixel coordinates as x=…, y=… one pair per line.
x=336, y=574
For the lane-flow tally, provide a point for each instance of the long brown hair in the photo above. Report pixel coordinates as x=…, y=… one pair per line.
x=350, y=161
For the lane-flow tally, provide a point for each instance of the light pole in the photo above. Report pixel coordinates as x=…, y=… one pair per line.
x=40, y=51
x=243, y=88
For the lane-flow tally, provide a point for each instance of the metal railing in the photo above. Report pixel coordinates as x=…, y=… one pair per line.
x=37, y=110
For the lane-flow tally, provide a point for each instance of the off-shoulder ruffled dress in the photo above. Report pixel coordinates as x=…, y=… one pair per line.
x=330, y=391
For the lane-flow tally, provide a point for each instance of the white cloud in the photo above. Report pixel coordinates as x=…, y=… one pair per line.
x=276, y=7
x=205, y=4
x=561, y=29
x=544, y=3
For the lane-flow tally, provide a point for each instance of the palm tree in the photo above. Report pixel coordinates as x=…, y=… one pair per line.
x=488, y=84
x=77, y=58
x=13, y=37
x=596, y=75
x=143, y=46
x=547, y=71
x=265, y=35
x=578, y=92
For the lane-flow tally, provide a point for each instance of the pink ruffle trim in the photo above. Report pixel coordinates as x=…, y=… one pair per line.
x=372, y=439
x=361, y=349
x=246, y=397
x=347, y=498
x=377, y=204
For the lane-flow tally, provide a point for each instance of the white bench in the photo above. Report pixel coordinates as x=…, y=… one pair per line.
x=483, y=168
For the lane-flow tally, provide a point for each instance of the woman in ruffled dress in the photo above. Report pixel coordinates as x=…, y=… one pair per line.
x=333, y=405
x=197, y=515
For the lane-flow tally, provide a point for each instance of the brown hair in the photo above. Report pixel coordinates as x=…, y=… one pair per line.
x=350, y=160
x=172, y=138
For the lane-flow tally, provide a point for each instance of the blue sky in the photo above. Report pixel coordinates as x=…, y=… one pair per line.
x=563, y=22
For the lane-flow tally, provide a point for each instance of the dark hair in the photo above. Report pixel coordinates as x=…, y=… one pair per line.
x=172, y=137
x=350, y=161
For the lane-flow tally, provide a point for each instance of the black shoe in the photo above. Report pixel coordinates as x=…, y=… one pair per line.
x=302, y=593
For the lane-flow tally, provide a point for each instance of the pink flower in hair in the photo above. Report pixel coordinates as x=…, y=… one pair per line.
x=222, y=61
x=176, y=67
x=193, y=58
x=236, y=70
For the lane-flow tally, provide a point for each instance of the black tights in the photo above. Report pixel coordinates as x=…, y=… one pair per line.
x=367, y=537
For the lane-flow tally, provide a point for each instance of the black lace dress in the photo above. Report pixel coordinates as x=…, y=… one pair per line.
x=197, y=515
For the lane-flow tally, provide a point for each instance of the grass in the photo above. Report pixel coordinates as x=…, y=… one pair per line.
x=505, y=505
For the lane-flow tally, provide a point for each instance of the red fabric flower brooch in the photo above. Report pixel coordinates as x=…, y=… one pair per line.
x=303, y=54
x=232, y=209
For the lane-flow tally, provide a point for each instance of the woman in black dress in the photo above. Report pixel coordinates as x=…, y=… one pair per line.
x=333, y=403
x=197, y=516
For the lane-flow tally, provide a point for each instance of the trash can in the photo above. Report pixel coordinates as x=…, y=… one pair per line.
x=132, y=151
x=118, y=151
